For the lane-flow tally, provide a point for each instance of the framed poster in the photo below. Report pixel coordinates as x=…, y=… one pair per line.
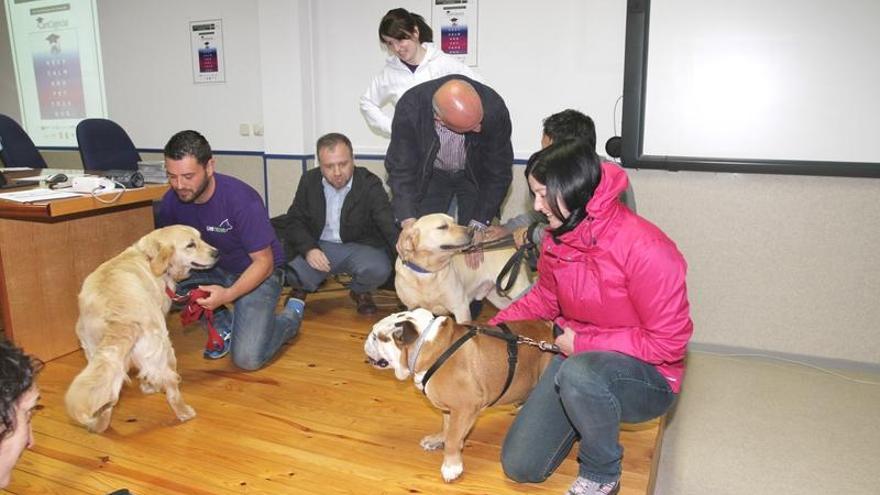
x=207, y=51
x=56, y=55
x=455, y=22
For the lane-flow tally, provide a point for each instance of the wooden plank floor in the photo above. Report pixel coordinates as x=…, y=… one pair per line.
x=316, y=420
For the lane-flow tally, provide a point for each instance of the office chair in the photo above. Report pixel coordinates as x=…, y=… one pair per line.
x=16, y=147
x=104, y=145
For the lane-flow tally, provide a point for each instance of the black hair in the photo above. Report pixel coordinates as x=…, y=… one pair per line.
x=188, y=143
x=332, y=139
x=571, y=171
x=17, y=371
x=401, y=24
x=570, y=124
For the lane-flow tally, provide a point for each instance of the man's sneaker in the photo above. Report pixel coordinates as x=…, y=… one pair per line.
x=583, y=486
x=223, y=325
x=365, y=304
x=294, y=308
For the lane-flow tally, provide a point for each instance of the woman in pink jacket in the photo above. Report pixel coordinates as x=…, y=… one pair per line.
x=614, y=285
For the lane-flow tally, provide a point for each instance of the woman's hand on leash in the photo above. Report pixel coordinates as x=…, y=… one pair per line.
x=216, y=296
x=565, y=341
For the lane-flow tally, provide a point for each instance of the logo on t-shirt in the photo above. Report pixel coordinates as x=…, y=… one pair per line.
x=223, y=228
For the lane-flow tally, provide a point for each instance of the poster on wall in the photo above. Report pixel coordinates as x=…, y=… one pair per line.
x=207, y=51
x=455, y=22
x=57, y=60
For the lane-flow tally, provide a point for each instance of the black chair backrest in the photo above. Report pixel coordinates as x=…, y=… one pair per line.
x=104, y=145
x=18, y=149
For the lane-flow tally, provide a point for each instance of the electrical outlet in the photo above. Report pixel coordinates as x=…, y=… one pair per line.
x=244, y=129
x=258, y=129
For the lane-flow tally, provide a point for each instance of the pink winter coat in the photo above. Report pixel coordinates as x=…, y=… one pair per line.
x=616, y=280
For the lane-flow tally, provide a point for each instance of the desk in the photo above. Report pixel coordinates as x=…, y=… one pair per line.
x=48, y=249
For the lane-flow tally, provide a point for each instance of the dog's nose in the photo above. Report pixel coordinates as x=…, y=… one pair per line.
x=215, y=253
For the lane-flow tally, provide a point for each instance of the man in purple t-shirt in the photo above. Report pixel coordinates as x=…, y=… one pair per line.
x=231, y=217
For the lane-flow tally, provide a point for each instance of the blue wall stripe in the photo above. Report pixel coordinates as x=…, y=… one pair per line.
x=304, y=159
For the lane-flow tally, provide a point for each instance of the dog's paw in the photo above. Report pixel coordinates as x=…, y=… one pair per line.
x=432, y=442
x=185, y=413
x=451, y=471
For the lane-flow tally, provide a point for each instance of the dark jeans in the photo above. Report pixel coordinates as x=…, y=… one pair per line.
x=442, y=187
x=257, y=332
x=584, y=396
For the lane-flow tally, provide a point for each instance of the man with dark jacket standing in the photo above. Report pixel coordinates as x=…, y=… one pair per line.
x=340, y=221
x=450, y=137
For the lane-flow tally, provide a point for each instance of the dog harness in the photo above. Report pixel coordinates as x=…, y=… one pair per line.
x=193, y=311
x=505, y=334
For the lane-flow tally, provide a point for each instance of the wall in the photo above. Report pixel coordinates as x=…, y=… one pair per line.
x=578, y=65
x=148, y=71
x=777, y=263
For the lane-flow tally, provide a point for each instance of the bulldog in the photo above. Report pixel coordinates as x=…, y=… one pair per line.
x=469, y=380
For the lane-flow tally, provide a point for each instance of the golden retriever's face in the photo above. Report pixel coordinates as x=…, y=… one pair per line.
x=175, y=250
x=433, y=239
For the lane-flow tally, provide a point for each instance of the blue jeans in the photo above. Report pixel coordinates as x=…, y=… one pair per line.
x=583, y=396
x=257, y=332
x=369, y=267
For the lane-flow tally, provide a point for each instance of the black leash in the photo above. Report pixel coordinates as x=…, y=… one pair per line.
x=528, y=251
x=505, y=334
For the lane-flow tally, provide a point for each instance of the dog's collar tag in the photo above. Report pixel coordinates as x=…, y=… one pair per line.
x=417, y=347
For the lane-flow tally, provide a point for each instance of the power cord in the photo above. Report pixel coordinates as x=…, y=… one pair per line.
x=115, y=197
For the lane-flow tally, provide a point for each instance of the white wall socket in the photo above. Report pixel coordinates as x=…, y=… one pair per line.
x=258, y=129
x=244, y=129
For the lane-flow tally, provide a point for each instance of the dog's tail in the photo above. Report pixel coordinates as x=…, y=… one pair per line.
x=95, y=390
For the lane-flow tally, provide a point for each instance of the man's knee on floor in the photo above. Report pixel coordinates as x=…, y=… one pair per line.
x=248, y=362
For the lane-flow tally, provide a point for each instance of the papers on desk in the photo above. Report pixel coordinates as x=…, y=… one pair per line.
x=37, y=195
x=15, y=169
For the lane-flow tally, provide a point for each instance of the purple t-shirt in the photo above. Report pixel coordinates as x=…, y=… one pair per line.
x=234, y=221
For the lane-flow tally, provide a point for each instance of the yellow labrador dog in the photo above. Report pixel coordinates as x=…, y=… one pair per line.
x=432, y=274
x=470, y=380
x=122, y=310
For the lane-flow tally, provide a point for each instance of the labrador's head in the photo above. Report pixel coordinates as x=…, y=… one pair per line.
x=432, y=240
x=175, y=250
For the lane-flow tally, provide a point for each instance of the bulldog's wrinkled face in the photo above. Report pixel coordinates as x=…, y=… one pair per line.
x=387, y=342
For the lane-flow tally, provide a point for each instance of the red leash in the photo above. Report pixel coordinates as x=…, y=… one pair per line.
x=192, y=312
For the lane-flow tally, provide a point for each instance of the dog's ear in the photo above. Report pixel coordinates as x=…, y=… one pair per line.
x=405, y=334
x=158, y=253
x=408, y=243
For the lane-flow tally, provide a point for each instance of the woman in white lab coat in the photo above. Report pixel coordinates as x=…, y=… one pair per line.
x=414, y=59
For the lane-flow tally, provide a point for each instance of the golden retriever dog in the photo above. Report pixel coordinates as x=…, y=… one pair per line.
x=122, y=309
x=431, y=272
x=470, y=380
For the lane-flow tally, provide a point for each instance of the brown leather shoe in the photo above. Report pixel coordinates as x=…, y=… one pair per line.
x=365, y=304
